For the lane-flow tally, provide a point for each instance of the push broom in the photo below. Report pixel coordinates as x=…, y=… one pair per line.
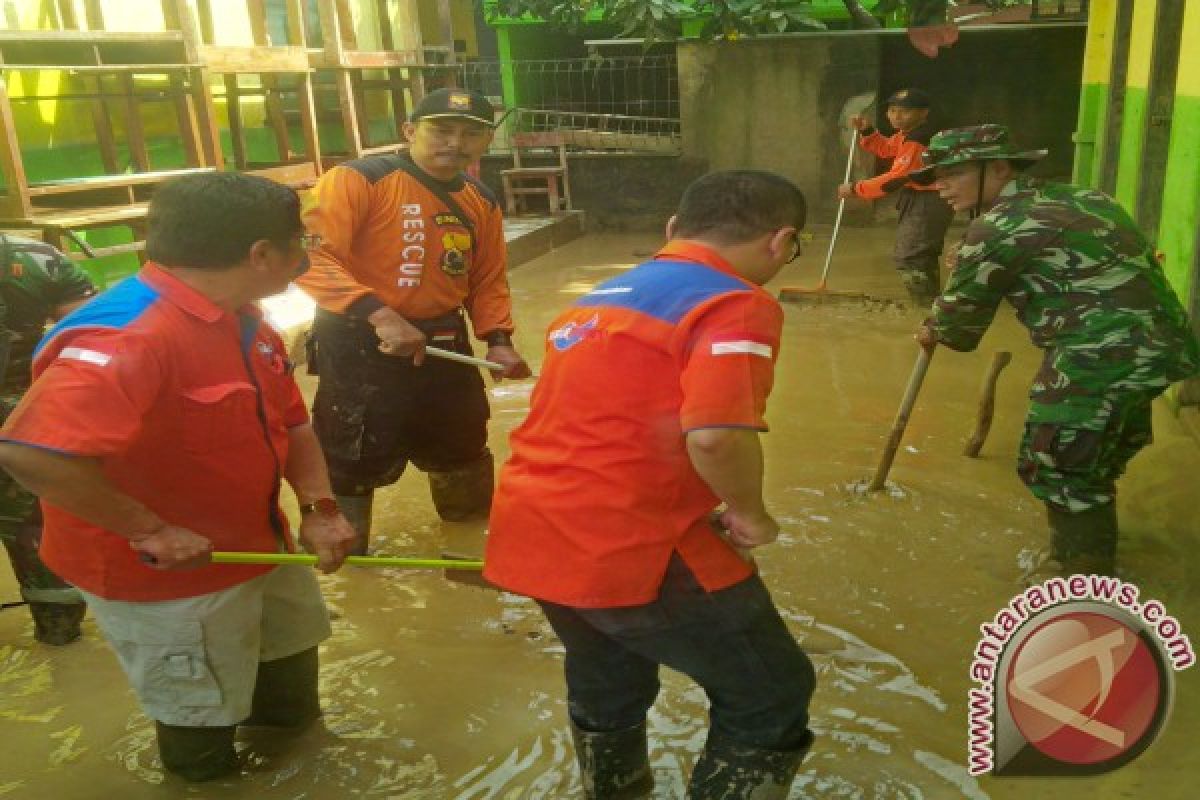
x=821, y=293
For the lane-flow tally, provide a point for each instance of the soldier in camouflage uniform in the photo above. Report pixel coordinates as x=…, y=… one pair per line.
x=1087, y=285
x=37, y=284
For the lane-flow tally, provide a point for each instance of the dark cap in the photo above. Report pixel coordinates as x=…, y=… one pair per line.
x=455, y=103
x=909, y=98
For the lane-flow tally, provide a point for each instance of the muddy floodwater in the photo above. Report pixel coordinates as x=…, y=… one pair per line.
x=433, y=690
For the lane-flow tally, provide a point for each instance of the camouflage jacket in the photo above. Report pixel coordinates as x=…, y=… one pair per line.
x=35, y=281
x=1086, y=284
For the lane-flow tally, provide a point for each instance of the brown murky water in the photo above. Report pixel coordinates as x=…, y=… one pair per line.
x=435, y=690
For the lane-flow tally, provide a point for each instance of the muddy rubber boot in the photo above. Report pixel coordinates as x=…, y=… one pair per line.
x=1084, y=542
x=922, y=287
x=727, y=770
x=465, y=493
x=57, y=623
x=285, y=691
x=357, y=511
x=614, y=765
x=197, y=754
x=56, y=606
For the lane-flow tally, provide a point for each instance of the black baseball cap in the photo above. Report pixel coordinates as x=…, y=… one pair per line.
x=909, y=98
x=455, y=103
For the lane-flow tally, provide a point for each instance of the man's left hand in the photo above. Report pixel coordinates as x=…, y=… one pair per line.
x=329, y=538
x=515, y=368
x=926, y=337
x=846, y=191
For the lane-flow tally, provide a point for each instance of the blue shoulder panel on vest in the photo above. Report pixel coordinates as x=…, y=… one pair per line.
x=666, y=290
x=114, y=308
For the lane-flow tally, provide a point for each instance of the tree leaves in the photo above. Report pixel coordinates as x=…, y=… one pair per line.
x=657, y=20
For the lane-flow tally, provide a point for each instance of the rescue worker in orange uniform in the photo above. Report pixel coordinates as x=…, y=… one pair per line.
x=411, y=247
x=924, y=216
x=647, y=417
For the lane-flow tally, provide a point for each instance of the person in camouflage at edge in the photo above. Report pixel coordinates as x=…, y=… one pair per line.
x=37, y=284
x=1087, y=285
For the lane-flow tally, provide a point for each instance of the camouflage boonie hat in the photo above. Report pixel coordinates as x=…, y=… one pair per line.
x=973, y=143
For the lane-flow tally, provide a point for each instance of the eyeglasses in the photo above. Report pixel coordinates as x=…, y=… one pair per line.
x=310, y=241
x=796, y=247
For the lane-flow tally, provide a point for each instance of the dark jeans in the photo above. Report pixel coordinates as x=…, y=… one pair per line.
x=920, y=235
x=732, y=642
x=374, y=413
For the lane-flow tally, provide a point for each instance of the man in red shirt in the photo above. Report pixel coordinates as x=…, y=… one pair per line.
x=924, y=216
x=162, y=417
x=645, y=419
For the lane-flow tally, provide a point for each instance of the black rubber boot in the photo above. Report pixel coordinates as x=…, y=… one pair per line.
x=57, y=623
x=197, y=754
x=922, y=285
x=614, y=765
x=285, y=691
x=57, y=607
x=1084, y=542
x=465, y=493
x=731, y=771
x=357, y=511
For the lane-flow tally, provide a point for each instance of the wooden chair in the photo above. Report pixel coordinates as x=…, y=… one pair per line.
x=521, y=181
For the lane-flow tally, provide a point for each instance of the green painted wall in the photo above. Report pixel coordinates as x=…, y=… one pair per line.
x=1133, y=129
x=1093, y=107
x=1181, y=196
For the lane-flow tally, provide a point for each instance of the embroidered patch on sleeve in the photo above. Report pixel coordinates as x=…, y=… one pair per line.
x=741, y=346
x=82, y=354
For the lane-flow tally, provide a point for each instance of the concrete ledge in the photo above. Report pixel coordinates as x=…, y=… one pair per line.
x=530, y=237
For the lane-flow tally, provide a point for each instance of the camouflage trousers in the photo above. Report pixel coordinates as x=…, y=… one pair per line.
x=1073, y=465
x=20, y=530
x=920, y=237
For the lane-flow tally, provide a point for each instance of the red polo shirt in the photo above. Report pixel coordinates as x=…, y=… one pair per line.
x=599, y=490
x=187, y=408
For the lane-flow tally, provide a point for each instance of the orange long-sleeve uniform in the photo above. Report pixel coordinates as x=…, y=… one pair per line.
x=906, y=151
x=387, y=240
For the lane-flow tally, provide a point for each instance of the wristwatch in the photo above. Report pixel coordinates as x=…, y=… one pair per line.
x=325, y=506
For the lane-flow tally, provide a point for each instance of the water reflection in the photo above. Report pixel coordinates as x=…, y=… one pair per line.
x=438, y=691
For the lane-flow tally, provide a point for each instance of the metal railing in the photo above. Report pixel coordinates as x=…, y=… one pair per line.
x=1055, y=10
x=605, y=132
x=620, y=102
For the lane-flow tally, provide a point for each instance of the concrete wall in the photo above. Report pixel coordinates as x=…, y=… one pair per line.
x=1026, y=78
x=774, y=103
x=617, y=191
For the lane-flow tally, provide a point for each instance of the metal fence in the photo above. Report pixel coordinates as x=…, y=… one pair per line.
x=1059, y=10
x=606, y=102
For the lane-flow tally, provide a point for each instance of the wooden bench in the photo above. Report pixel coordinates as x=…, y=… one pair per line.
x=75, y=205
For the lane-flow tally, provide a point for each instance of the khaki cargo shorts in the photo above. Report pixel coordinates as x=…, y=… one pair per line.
x=194, y=661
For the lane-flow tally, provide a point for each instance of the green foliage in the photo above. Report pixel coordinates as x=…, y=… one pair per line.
x=656, y=20
x=920, y=12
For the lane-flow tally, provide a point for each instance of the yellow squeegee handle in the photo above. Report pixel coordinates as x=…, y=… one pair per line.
x=354, y=561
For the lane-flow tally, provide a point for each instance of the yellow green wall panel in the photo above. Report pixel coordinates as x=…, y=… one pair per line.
x=1093, y=97
x=1181, y=185
x=1133, y=127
